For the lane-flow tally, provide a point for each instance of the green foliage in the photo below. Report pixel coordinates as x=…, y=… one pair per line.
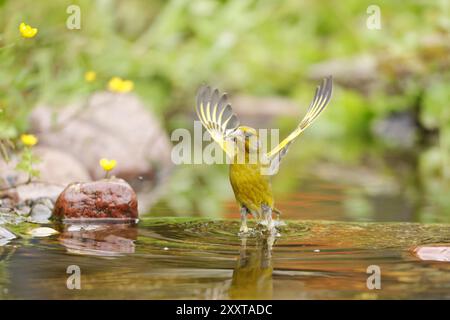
x=5, y=145
x=27, y=162
x=260, y=47
x=436, y=105
x=170, y=47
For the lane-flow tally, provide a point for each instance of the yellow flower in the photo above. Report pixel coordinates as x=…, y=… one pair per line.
x=107, y=164
x=117, y=84
x=29, y=140
x=27, y=31
x=90, y=76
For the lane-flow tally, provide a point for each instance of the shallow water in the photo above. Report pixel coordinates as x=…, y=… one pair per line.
x=181, y=258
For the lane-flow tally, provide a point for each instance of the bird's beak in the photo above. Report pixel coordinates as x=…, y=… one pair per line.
x=236, y=133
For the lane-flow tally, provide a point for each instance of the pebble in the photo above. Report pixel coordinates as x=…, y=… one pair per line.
x=6, y=236
x=22, y=210
x=40, y=213
x=36, y=211
x=42, y=232
x=5, y=210
x=10, y=218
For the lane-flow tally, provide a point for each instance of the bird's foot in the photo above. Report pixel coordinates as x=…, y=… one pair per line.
x=271, y=227
x=267, y=224
x=244, y=230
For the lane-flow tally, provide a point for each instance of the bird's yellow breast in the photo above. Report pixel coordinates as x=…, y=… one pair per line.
x=251, y=189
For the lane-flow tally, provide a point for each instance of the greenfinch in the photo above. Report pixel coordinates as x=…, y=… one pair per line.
x=251, y=168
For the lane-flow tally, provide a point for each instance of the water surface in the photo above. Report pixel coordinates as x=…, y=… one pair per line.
x=185, y=258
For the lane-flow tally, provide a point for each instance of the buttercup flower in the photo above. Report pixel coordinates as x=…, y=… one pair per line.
x=90, y=76
x=117, y=84
x=27, y=31
x=29, y=140
x=107, y=164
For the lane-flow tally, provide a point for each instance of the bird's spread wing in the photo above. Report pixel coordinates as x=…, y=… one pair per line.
x=216, y=115
x=318, y=104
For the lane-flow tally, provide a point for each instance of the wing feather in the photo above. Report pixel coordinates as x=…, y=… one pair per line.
x=216, y=115
x=318, y=104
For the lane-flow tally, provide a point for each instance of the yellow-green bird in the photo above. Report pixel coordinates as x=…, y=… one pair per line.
x=250, y=167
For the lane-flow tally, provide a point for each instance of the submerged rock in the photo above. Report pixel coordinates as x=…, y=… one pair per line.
x=103, y=199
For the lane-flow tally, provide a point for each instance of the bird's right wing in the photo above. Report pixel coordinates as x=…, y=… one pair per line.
x=216, y=115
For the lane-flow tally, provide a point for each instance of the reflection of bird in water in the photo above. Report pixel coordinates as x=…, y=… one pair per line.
x=252, y=277
x=251, y=167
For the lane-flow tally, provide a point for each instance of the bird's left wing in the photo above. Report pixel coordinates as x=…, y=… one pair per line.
x=318, y=104
x=216, y=115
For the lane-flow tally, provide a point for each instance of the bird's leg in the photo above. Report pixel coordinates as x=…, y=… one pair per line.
x=243, y=252
x=267, y=215
x=244, y=228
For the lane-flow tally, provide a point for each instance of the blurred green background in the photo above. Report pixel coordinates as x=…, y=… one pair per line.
x=380, y=152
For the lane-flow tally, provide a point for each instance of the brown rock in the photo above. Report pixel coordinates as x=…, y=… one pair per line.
x=103, y=199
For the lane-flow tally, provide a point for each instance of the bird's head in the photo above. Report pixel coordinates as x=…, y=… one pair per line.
x=246, y=139
x=247, y=131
